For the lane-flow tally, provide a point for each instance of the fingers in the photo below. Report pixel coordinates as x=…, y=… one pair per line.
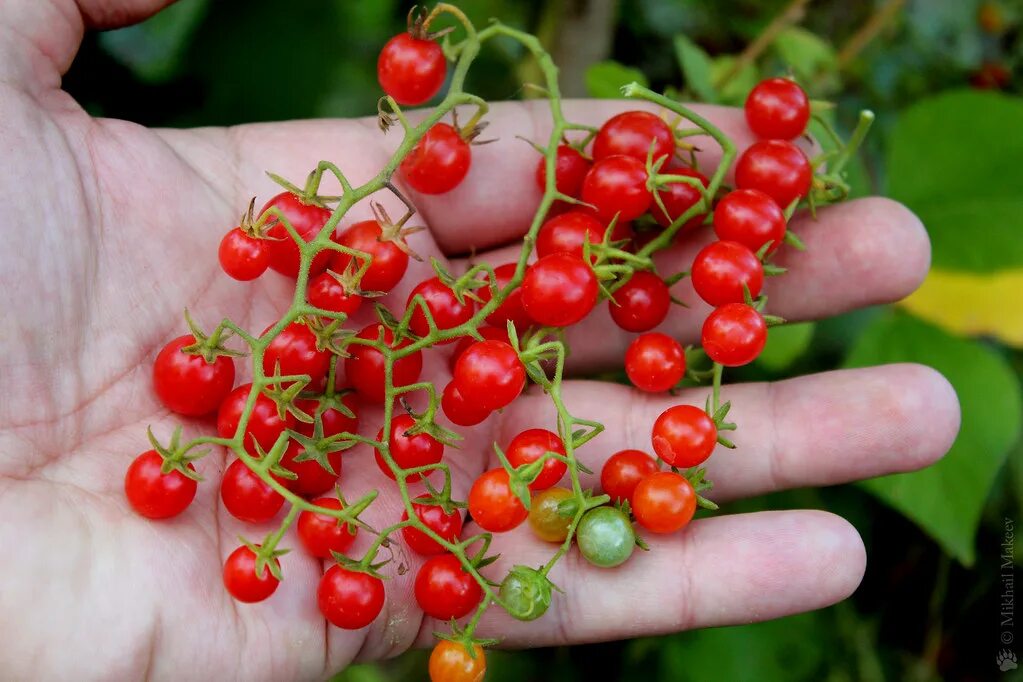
x=822, y=429
x=719, y=571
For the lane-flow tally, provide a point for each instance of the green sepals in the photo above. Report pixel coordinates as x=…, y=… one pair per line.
x=274, y=457
x=387, y=319
x=773, y=320
x=266, y=555
x=516, y=482
x=567, y=508
x=424, y=423
x=747, y=297
x=790, y=210
x=676, y=278
x=441, y=498
x=363, y=565
x=462, y=287
x=641, y=543
x=462, y=636
x=175, y=456
x=284, y=392
x=485, y=561
x=331, y=335
x=211, y=347
x=795, y=242
x=718, y=417
x=307, y=195
x=772, y=270
x=525, y=593
x=317, y=448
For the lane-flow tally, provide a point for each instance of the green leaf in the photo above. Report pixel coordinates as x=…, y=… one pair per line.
x=785, y=343
x=695, y=65
x=946, y=499
x=954, y=159
x=153, y=49
x=809, y=56
x=605, y=79
x=735, y=89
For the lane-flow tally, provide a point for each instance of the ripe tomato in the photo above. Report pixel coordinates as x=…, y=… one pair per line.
x=559, y=290
x=566, y=232
x=511, y=308
x=154, y=494
x=450, y=662
x=640, y=304
x=246, y=496
x=529, y=446
x=734, y=334
x=547, y=522
x=632, y=133
x=569, y=170
x=364, y=368
x=350, y=599
x=460, y=411
x=444, y=590
x=777, y=108
x=312, y=479
x=321, y=534
x=410, y=69
x=308, y=220
x=438, y=163
x=492, y=504
x=243, y=257
x=679, y=197
x=664, y=502
x=241, y=580
x=447, y=525
x=489, y=374
x=409, y=452
x=264, y=425
x=720, y=270
x=605, y=537
x=447, y=312
x=327, y=293
x=684, y=436
x=186, y=383
x=777, y=168
x=751, y=218
x=293, y=351
x=616, y=185
x=389, y=261
x=623, y=471
x=488, y=334
x=655, y=362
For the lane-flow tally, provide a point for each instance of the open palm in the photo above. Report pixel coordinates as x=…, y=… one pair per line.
x=111, y=230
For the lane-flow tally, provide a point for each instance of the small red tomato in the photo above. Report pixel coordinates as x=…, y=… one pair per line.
x=348, y=599
x=777, y=168
x=623, y=471
x=616, y=186
x=308, y=220
x=569, y=170
x=633, y=133
x=364, y=368
x=154, y=494
x=326, y=292
x=451, y=662
x=664, y=502
x=490, y=374
x=409, y=452
x=777, y=108
x=322, y=534
x=411, y=69
x=722, y=268
x=242, y=256
x=389, y=261
x=751, y=218
x=186, y=383
x=293, y=351
x=511, y=309
x=264, y=426
x=438, y=163
x=734, y=334
x=444, y=307
x=679, y=197
x=444, y=590
x=447, y=525
x=559, y=290
x=492, y=504
x=246, y=496
x=684, y=436
x=655, y=362
x=529, y=446
x=459, y=410
x=640, y=304
x=565, y=233
x=488, y=334
x=241, y=579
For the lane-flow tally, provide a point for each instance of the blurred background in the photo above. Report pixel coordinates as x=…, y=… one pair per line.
x=943, y=77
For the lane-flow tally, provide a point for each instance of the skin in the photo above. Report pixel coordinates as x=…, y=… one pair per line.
x=113, y=229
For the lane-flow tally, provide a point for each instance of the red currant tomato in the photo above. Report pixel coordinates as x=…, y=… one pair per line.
x=559, y=290
x=488, y=334
x=321, y=534
x=640, y=304
x=569, y=170
x=438, y=163
x=350, y=600
x=154, y=494
x=326, y=292
x=777, y=168
x=243, y=257
x=632, y=133
x=751, y=218
x=264, y=426
x=444, y=590
x=186, y=383
x=722, y=268
x=492, y=504
x=312, y=478
x=777, y=108
x=411, y=70
x=655, y=362
x=293, y=351
x=664, y=502
x=459, y=410
x=332, y=420
x=511, y=309
x=490, y=374
x=565, y=233
x=529, y=446
x=447, y=312
x=241, y=580
x=679, y=197
x=447, y=525
x=684, y=436
x=616, y=185
x=364, y=368
x=623, y=471
x=734, y=334
x=308, y=220
x=451, y=662
x=389, y=261
x=409, y=451
x=246, y=496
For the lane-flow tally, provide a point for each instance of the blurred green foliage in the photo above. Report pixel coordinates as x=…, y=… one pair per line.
x=943, y=77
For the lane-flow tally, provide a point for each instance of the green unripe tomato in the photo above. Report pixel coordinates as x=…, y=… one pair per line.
x=525, y=593
x=605, y=537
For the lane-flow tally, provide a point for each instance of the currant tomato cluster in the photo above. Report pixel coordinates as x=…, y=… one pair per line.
x=300, y=413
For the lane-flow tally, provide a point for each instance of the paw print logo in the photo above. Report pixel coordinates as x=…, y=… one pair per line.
x=1006, y=660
